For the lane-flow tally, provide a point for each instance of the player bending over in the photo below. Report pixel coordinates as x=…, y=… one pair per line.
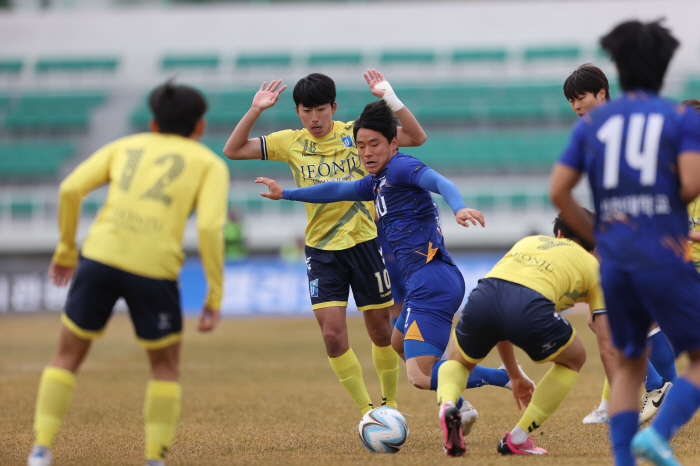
x=134, y=251
x=642, y=157
x=400, y=186
x=586, y=88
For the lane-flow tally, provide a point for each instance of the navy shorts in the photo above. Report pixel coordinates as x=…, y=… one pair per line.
x=668, y=296
x=435, y=292
x=154, y=305
x=332, y=273
x=500, y=310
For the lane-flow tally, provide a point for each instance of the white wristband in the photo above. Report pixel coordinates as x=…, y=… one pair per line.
x=389, y=96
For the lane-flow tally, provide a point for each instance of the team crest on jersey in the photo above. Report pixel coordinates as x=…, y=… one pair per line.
x=313, y=288
x=347, y=140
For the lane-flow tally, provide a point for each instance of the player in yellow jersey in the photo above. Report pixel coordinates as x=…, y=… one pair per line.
x=694, y=209
x=342, y=250
x=518, y=303
x=133, y=250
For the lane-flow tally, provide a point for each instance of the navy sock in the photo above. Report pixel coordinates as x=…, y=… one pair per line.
x=662, y=357
x=681, y=403
x=480, y=376
x=653, y=380
x=434, y=380
x=623, y=426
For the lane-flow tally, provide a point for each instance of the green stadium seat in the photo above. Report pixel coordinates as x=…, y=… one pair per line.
x=10, y=66
x=392, y=57
x=691, y=89
x=479, y=55
x=34, y=159
x=571, y=52
x=53, y=111
x=209, y=62
x=4, y=100
x=272, y=60
x=335, y=58
x=76, y=64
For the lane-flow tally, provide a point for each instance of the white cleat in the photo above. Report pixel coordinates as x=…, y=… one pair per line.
x=597, y=416
x=509, y=385
x=40, y=456
x=652, y=400
x=155, y=463
x=469, y=417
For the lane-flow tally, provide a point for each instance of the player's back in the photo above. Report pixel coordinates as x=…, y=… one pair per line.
x=154, y=182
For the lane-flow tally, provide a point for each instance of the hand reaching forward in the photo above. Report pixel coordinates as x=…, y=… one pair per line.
x=274, y=187
x=472, y=215
x=266, y=97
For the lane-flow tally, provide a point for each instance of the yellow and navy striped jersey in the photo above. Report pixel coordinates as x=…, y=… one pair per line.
x=334, y=226
x=559, y=269
x=694, y=225
x=155, y=181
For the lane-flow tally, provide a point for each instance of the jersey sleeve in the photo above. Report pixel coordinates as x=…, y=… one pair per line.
x=574, y=156
x=275, y=146
x=690, y=132
x=363, y=188
x=409, y=171
x=332, y=191
x=436, y=183
x=90, y=174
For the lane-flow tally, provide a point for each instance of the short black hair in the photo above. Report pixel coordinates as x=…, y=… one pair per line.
x=314, y=90
x=695, y=103
x=567, y=232
x=177, y=109
x=379, y=117
x=641, y=52
x=586, y=78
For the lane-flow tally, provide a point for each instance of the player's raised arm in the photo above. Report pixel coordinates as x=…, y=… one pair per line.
x=436, y=183
x=332, y=191
x=409, y=133
x=238, y=146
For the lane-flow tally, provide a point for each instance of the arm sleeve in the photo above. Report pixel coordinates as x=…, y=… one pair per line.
x=212, y=202
x=690, y=137
x=274, y=146
x=87, y=176
x=434, y=182
x=573, y=156
x=332, y=191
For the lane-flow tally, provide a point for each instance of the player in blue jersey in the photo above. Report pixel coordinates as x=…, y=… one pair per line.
x=400, y=186
x=642, y=157
x=585, y=89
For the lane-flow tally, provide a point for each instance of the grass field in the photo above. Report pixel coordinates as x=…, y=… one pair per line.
x=261, y=391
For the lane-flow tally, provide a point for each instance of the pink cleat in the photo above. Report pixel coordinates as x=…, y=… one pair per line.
x=506, y=447
x=451, y=422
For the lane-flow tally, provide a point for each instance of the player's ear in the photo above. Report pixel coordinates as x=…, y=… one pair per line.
x=601, y=95
x=198, y=129
x=394, y=143
x=153, y=126
x=334, y=107
x=559, y=234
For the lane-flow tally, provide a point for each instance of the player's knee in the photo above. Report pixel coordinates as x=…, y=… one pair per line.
x=419, y=380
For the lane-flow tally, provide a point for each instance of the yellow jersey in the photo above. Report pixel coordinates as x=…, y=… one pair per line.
x=155, y=181
x=559, y=269
x=338, y=225
x=694, y=225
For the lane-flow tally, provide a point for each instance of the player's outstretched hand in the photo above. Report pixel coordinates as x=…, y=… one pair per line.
x=522, y=391
x=208, y=319
x=267, y=96
x=374, y=77
x=275, y=188
x=60, y=275
x=471, y=215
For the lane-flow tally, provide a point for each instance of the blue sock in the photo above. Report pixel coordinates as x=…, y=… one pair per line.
x=653, y=380
x=480, y=376
x=623, y=426
x=434, y=379
x=662, y=357
x=681, y=403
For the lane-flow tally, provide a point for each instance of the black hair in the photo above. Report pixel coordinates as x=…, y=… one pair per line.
x=641, y=52
x=314, y=90
x=586, y=78
x=177, y=109
x=379, y=117
x=695, y=103
x=567, y=232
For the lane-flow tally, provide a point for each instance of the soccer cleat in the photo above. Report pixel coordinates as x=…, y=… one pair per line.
x=40, y=456
x=469, y=417
x=597, y=416
x=648, y=444
x=652, y=400
x=451, y=423
x=509, y=385
x=506, y=447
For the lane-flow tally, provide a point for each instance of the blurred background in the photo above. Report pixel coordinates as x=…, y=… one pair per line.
x=484, y=78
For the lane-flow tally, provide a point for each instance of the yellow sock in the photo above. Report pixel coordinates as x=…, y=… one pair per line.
x=452, y=380
x=55, y=394
x=386, y=361
x=349, y=372
x=549, y=394
x=160, y=412
x=606, y=390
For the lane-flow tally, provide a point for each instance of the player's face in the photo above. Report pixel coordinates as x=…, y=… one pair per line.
x=584, y=103
x=374, y=149
x=317, y=120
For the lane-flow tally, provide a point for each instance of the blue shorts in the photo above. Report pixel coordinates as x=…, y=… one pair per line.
x=669, y=296
x=435, y=293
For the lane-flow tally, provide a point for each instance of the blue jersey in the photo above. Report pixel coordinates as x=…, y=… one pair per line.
x=629, y=149
x=407, y=213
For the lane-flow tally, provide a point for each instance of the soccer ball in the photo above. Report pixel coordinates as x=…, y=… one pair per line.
x=383, y=430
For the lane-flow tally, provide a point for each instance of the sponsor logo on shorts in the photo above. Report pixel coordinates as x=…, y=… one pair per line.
x=313, y=288
x=548, y=346
x=164, y=321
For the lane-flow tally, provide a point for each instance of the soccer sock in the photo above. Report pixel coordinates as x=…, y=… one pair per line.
x=681, y=403
x=452, y=378
x=661, y=355
x=623, y=426
x=54, y=397
x=605, y=399
x=386, y=361
x=349, y=372
x=653, y=380
x=480, y=376
x=161, y=410
x=548, y=395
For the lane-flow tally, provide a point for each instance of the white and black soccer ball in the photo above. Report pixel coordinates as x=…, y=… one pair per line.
x=383, y=430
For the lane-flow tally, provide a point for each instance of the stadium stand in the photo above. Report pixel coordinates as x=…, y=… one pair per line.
x=251, y=60
x=572, y=52
x=76, y=64
x=404, y=57
x=175, y=61
x=31, y=159
x=10, y=66
x=335, y=58
x=47, y=111
x=479, y=55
